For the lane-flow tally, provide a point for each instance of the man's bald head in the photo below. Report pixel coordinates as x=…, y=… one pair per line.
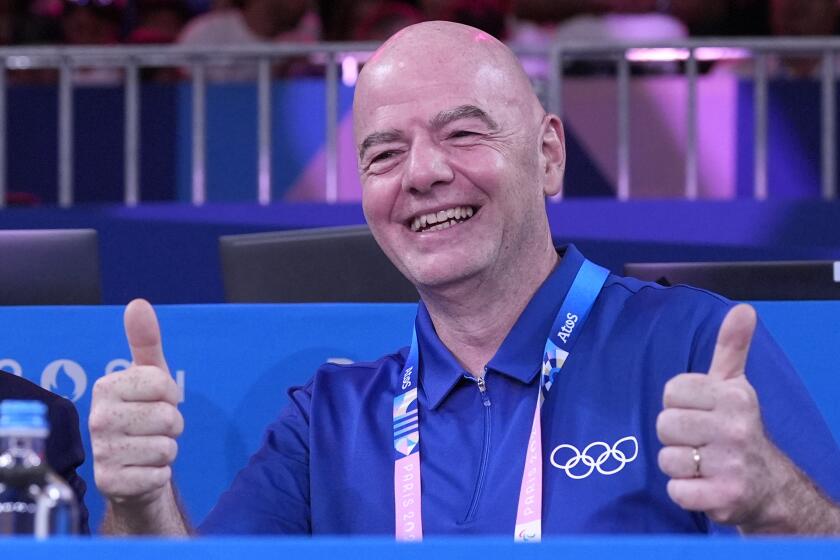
x=448, y=129
x=442, y=49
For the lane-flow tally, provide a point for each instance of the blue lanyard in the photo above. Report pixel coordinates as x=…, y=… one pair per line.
x=565, y=331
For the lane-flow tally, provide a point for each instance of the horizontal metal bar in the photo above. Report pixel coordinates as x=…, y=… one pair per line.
x=154, y=55
x=255, y=51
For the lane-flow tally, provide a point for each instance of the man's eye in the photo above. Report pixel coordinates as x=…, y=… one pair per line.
x=462, y=134
x=382, y=156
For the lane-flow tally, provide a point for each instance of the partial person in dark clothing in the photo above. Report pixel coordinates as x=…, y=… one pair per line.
x=64, y=445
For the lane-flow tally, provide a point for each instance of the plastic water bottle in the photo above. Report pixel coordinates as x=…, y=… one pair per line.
x=34, y=501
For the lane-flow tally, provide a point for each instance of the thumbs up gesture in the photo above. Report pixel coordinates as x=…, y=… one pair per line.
x=134, y=418
x=715, y=450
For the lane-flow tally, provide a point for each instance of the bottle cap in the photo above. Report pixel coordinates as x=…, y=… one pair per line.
x=21, y=417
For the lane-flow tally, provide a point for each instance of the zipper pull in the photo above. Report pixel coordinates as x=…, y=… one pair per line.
x=482, y=388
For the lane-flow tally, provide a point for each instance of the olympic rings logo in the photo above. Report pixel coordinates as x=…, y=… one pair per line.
x=610, y=460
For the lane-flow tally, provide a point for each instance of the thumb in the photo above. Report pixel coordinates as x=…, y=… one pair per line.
x=143, y=334
x=733, y=343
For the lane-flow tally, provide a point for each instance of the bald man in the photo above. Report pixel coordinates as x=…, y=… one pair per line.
x=539, y=394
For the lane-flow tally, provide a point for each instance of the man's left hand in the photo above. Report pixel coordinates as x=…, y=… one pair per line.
x=715, y=450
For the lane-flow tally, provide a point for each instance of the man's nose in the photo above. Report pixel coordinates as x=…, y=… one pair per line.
x=427, y=166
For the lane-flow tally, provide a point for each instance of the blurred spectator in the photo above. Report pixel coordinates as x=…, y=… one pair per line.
x=15, y=22
x=223, y=4
x=248, y=22
x=689, y=12
x=541, y=22
x=385, y=19
x=159, y=21
x=93, y=22
x=11, y=14
x=488, y=15
x=793, y=18
x=251, y=22
x=90, y=23
x=341, y=20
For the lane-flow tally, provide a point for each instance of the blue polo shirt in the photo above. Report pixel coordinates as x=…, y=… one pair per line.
x=326, y=464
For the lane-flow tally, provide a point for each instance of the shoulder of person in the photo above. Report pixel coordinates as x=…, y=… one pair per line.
x=14, y=387
x=211, y=27
x=656, y=297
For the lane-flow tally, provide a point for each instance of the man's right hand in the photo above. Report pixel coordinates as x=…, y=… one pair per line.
x=134, y=422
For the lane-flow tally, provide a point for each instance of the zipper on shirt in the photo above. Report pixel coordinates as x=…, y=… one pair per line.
x=485, y=452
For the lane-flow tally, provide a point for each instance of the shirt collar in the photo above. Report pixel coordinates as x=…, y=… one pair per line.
x=519, y=356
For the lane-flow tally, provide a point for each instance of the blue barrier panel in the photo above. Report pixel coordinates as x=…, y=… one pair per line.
x=612, y=548
x=236, y=361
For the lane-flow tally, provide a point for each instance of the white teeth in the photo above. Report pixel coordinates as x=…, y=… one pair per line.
x=442, y=219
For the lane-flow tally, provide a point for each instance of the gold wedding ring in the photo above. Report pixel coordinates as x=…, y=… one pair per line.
x=695, y=454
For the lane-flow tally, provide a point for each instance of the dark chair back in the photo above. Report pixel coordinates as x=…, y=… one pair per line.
x=779, y=280
x=335, y=264
x=49, y=267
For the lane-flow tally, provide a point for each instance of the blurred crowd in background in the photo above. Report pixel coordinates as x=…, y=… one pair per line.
x=518, y=22
x=100, y=22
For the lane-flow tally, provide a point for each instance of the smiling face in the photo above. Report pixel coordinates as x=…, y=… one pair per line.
x=455, y=156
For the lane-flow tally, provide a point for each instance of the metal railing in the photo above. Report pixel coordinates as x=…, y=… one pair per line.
x=198, y=59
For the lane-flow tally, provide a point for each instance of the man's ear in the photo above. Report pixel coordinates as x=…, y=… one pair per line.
x=553, y=149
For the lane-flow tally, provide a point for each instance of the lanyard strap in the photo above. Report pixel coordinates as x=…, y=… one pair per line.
x=568, y=324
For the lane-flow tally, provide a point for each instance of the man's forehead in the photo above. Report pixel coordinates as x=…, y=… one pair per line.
x=433, y=111
x=436, y=67
x=425, y=94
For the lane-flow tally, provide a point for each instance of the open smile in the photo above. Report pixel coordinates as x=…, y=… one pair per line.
x=442, y=219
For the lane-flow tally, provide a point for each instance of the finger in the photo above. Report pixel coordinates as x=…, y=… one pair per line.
x=733, y=343
x=143, y=334
x=690, y=390
x=137, y=451
x=138, y=419
x=678, y=462
x=153, y=419
x=139, y=384
x=131, y=482
x=684, y=427
x=695, y=494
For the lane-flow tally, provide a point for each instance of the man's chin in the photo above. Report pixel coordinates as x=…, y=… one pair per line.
x=436, y=281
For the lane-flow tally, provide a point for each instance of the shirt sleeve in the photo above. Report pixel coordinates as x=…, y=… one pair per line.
x=271, y=494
